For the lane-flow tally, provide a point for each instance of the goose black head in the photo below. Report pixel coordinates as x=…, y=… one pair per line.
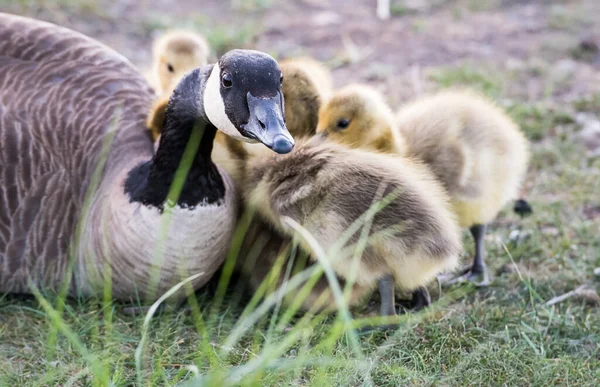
x=243, y=99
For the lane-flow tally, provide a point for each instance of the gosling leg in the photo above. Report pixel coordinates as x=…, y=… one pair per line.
x=479, y=270
x=420, y=299
x=478, y=273
x=386, y=286
x=522, y=207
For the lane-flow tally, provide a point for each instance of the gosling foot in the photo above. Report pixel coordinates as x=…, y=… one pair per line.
x=478, y=276
x=477, y=273
x=522, y=208
x=420, y=300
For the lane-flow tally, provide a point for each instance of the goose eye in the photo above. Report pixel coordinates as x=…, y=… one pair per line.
x=343, y=124
x=170, y=68
x=226, y=80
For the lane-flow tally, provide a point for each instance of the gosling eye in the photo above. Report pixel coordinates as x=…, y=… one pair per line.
x=170, y=68
x=343, y=123
x=226, y=80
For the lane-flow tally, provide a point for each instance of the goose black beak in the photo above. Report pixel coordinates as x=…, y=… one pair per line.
x=266, y=124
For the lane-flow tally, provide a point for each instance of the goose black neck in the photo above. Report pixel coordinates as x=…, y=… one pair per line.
x=186, y=142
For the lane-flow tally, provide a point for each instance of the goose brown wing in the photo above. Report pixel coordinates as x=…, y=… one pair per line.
x=62, y=95
x=37, y=41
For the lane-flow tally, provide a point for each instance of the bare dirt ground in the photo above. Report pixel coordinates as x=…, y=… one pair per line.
x=538, y=43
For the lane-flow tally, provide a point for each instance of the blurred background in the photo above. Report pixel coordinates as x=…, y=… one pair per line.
x=531, y=50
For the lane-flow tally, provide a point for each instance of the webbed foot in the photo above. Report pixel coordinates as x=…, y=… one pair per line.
x=478, y=276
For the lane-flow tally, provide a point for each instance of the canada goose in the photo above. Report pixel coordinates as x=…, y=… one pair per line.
x=63, y=96
x=475, y=150
x=184, y=51
x=306, y=84
x=326, y=187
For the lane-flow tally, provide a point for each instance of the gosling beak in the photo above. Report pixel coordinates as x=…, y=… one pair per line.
x=266, y=124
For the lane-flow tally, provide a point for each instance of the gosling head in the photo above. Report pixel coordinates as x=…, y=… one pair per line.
x=243, y=99
x=303, y=98
x=356, y=116
x=177, y=53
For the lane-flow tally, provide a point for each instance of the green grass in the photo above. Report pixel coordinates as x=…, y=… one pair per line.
x=562, y=17
x=589, y=103
x=483, y=80
x=251, y=5
x=56, y=7
x=502, y=335
x=536, y=119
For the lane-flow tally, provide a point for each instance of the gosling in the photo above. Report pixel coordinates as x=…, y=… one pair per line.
x=474, y=149
x=266, y=255
x=174, y=53
x=326, y=187
x=307, y=83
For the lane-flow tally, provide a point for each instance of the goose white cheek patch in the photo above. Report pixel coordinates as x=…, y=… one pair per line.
x=215, y=108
